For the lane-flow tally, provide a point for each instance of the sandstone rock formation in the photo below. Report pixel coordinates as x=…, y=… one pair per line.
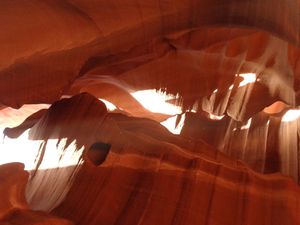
x=229, y=75
x=13, y=207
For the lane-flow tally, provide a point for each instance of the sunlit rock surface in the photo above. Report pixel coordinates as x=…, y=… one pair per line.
x=13, y=207
x=149, y=112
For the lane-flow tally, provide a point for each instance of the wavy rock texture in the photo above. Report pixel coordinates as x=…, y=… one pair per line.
x=152, y=176
x=264, y=142
x=13, y=207
x=231, y=66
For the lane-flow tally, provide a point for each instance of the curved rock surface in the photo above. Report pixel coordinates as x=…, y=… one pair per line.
x=13, y=207
x=152, y=176
x=227, y=73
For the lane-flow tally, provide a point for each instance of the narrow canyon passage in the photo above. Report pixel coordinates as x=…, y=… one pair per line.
x=149, y=112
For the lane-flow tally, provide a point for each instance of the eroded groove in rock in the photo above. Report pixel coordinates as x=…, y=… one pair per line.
x=146, y=164
x=13, y=207
x=267, y=143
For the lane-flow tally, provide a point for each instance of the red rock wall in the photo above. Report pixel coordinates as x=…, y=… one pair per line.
x=195, y=50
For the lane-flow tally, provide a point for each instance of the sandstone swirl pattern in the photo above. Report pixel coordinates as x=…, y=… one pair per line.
x=231, y=66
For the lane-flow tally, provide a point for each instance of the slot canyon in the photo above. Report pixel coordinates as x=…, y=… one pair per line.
x=150, y=112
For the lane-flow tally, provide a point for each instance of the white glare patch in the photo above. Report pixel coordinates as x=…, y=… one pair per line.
x=156, y=101
x=109, y=105
x=65, y=96
x=248, y=78
x=25, y=151
x=215, y=91
x=291, y=115
x=215, y=117
x=170, y=124
x=247, y=125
